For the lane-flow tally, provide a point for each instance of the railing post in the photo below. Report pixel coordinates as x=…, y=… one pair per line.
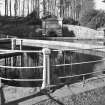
x=21, y=43
x=83, y=80
x=13, y=47
x=13, y=44
x=20, y=48
x=46, y=68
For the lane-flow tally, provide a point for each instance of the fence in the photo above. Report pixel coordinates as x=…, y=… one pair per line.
x=56, y=67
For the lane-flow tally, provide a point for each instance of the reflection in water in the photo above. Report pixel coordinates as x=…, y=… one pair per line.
x=68, y=58
x=57, y=58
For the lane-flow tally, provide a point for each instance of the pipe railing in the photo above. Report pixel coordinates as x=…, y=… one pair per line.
x=46, y=60
x=46, y=79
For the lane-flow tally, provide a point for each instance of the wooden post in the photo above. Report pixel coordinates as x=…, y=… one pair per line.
x=46, y=68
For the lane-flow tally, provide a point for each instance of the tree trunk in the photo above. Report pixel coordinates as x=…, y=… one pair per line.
x=28, y=7
x=10, y=8
x=23, y=8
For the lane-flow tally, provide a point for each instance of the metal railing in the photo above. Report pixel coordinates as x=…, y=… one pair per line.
x=47, y=66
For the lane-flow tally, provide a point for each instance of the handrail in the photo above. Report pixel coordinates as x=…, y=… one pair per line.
x=53, y=65
x=68, y=38
x=13, y=67
x=77, y=49
x=75, y=38
x=27, y=51
x=59, y=65
x=19, y=80
x=85, y=74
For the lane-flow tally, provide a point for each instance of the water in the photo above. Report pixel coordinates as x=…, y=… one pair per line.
x=31, y=60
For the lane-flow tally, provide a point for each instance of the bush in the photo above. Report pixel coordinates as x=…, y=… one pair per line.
x=52, y=34
x=67, y=33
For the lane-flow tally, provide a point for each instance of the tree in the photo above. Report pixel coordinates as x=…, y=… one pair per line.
x=10, y=8
x=28, y=7
x=97, y=21
x=23, y=8
x=90, y=17
x=87, y=5
x=87, y=17
x=93, y=19
x=16, y=7
x=103, y=1
x=6, y=7
x=71, y=8
x=19, y=7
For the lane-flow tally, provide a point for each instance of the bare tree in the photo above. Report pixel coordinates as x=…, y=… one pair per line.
x=19, y=6
x=33, y=4
x=44, y=7
x=10, y=8
x=23, y=8
x=28, y=7
x=38, y=7
x=15, y=7
x=6, y=7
